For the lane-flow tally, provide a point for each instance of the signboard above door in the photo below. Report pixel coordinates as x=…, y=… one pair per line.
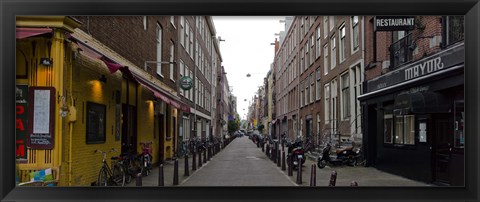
x=394, y=23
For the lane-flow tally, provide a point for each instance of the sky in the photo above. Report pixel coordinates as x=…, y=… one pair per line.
x=246, y=50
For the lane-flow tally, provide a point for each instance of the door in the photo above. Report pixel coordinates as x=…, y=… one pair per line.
x=442, y=148
x=161, y=137
x=129, y=128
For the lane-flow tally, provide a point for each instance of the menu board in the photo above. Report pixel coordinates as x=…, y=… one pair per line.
x=41, y=111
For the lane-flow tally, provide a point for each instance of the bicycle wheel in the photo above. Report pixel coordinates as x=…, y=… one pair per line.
x=102, y=177
x=136, y=166
x=118, y=175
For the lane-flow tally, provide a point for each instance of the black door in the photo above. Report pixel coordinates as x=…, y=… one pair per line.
x=442, y=148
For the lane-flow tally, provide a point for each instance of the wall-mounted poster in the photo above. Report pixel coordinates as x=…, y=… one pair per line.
x=21, y=101
x=96, y=123
x=42, y=118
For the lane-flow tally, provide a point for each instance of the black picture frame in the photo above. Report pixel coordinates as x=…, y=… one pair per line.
x=9, y=9
x=96, y=123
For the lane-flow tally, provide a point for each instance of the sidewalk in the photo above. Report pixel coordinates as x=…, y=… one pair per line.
x=168, y=172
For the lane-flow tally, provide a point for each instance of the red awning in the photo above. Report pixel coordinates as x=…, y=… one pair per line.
x=162, y=96
x=25, y=32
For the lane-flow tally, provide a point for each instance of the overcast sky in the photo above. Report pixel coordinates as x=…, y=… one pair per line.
x=247, y=49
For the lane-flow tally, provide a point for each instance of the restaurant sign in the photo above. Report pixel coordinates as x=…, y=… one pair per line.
x=394, y=23
x=41, y=111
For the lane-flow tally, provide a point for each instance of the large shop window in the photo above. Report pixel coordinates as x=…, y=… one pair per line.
x=398, y=129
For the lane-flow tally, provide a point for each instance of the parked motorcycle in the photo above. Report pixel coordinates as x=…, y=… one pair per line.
x=146, y=157
x=296, y=153
x=347, y=155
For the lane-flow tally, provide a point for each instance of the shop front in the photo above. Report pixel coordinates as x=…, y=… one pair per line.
x=415, y=119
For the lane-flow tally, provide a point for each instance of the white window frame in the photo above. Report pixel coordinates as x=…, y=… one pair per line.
x=325, y=59
x=172, y=21
x=171, y=60
x=342, y=34
x=159, y=49
x=182, y=31
x=318, y=86
x=354, y=25
x=319, y=44
x=345, y=107
x=333, y=54
x=327, y=102
x=331, y=20
x=325, y=27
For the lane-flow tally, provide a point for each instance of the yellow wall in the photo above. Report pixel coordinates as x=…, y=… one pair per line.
x=87, y=88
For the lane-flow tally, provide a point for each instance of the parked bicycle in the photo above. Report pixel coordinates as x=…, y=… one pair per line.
x=132, y=165
x=146, y=157
x=110, y=177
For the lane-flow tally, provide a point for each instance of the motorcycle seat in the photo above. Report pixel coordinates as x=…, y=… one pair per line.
x=338, y=151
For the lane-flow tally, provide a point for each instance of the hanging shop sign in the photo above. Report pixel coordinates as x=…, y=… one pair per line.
x=42, y=118
x=394, y=23
x=21, y=100
x=186, y=83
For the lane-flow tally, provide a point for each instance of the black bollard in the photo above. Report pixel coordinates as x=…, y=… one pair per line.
x=299, y=174
x=205, y=155
x=283, y=161
x=290, y=166
x=187, y=172
x=279, y=162
x=138, y=180
x=313, y=177
x=263, y=148
x=268, y=150
x=160, y=176
x=354, y=184
x=333, y=178
x=175, y=172
x=200, y=159
x=194, y=161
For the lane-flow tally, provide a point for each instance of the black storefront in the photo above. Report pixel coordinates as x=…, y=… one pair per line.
x=413, y=119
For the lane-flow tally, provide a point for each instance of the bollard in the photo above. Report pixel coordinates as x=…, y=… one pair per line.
x=160, y=175
x=313, y=176
x=194, y=161
x=263, y=148
x=290, y=169
x=299, y=174
x=354, y=184
x=138, y=180
x=283, y=160
x=200, y=159
x=175, y=172
x=258, y=144
x=279, y=163
x=267, y=150
x=187, y=172
x=333, y=178
x=205, y=155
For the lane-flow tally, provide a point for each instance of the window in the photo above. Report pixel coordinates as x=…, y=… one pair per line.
x=454, y=27
x=306, y=25
x=319, y=47
x=388, y=127
x=182, y=73
x=334, y=52
x=404, y=129
x=325, y=59
x=307, y=63
x=355, y=33
x=317, y=93
x=182, y=31
x=302, y=63
x=318, y=127
x=188, y=37
x=159, y=49
x=332, y=22
x=312, y=49
x=301, y=95
x=312, y=88
x=401, y=50
x=172, y=21
x=306, y=92
x=345, y=96
x=172, y=58
x=325, y=27
x=342, y=43
x=327, y=103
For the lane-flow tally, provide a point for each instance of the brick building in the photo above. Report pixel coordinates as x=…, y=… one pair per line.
x=413, y=100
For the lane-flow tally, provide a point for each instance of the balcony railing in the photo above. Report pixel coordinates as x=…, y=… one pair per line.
x=401, y=51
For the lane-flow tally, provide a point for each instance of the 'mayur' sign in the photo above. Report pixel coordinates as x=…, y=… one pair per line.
x=394, y=23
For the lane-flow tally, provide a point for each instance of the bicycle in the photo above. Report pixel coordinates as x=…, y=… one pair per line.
x=146, y=157
x=110, y=177
x=132, y=165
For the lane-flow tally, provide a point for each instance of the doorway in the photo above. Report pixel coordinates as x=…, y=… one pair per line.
x=442, y=148
x=129, y=128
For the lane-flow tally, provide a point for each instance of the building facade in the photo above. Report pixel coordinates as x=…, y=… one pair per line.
x=414, y=99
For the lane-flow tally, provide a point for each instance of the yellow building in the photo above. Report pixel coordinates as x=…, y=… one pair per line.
x=93, y=106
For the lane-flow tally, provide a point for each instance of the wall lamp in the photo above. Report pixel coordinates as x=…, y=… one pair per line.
x=46, y=62
x=103, y=79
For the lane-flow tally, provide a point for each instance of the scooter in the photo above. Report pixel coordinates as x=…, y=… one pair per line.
x=296, y=153
x=347, y=155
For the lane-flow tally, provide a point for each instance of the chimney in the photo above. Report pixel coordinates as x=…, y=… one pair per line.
x=277, y=46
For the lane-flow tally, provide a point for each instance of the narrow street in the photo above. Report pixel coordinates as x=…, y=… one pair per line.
x=241, y=163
